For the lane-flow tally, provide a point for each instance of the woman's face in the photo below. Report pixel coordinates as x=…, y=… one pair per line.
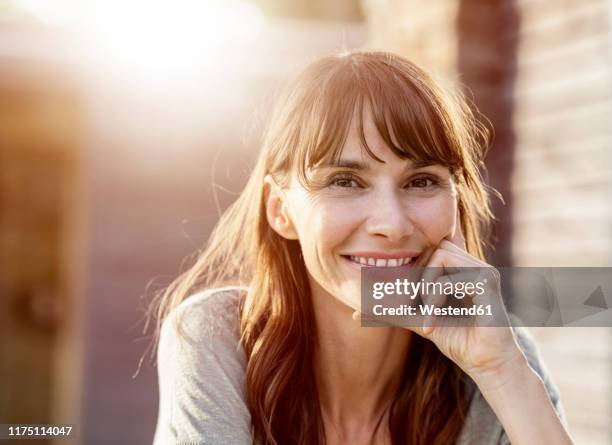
x=369, y=213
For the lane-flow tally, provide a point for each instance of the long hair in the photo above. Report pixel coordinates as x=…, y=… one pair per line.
x=417, y=120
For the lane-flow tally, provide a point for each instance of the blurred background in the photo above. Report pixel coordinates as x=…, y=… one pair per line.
x=119, y=119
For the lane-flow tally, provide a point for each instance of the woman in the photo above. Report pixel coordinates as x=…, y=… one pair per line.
x=366, y=161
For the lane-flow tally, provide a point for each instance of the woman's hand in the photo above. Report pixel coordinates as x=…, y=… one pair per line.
x=486, y=351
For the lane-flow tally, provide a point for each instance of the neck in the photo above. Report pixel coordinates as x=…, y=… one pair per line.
x=358, y=370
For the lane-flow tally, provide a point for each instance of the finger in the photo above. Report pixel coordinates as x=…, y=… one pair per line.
x=437, y=262
x=423, y=264
x=420, y=328
x=425, y=256
x=360, y=316
x=436, y=281
x=413, y=323
x=468, y=260
x=445, y=258
x=433, y=299
x=434, y=272
x=458, y=285
x=492, y=298
x=465, y=283
x=448, y=245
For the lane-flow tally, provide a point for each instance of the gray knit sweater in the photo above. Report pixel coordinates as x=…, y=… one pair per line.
x=201, y=379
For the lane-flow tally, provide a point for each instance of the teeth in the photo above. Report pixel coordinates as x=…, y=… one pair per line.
x=393, y=262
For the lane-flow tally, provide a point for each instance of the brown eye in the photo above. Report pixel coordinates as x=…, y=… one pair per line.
x=422, y=182
x=343, y=182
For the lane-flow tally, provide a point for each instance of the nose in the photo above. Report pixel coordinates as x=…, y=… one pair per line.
x=388, y=218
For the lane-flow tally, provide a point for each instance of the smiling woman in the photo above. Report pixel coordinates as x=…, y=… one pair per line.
x=367, y=162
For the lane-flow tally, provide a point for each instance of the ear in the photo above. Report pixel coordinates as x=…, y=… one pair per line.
x=276, y=210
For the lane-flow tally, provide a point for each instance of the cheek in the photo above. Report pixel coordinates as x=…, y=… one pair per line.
x=329, y=223
x=435, y=217
x=322, y=224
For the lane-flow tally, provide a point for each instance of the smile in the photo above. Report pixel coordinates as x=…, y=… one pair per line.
x=380, y=262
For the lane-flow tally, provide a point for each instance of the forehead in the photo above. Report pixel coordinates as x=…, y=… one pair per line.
x=363, y=133
x=374, y=134
x=362, y=130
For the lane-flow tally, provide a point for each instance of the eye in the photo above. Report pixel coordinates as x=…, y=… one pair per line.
x=343, y=181
x=423, y=182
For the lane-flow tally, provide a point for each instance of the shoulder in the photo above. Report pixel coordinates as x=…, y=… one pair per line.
x=205, y=316
x=203, y=330
x=201, y=370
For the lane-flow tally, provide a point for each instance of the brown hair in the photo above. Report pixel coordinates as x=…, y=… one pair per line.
x=417, y=120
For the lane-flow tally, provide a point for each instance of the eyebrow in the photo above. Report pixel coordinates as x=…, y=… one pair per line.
x=359, y=165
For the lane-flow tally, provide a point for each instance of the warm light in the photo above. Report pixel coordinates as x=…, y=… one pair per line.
x=156, y=39
x=53, y=12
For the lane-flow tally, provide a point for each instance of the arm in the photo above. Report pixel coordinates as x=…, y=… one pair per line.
x=492, y=357
x=521, y=401
x=201, y=376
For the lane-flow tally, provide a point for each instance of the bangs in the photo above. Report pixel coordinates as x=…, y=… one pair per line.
x=407, y=112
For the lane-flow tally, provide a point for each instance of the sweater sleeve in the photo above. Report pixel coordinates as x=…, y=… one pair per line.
x=201, y=374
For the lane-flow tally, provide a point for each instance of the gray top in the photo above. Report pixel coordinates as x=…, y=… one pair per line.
x=201, y=378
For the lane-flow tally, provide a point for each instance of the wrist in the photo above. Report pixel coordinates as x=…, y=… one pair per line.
x=507, y=375
x=518, y=397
